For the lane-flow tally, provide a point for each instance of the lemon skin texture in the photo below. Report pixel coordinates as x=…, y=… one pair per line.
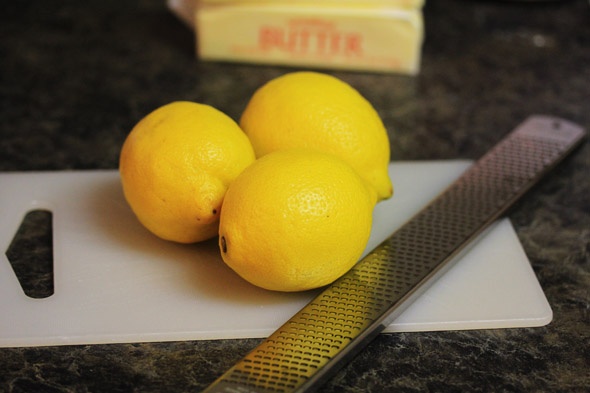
x=176, y=165
x=295, y=220
x=319, y=111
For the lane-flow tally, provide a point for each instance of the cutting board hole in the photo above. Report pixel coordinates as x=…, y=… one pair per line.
x=31, y=254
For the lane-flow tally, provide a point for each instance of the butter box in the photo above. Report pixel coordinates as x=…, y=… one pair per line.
x=371, y=35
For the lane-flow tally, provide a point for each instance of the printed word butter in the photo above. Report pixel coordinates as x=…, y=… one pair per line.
x=372, y=35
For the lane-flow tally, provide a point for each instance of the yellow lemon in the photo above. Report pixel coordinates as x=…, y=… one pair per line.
x=294, y=220
x=176, y=165
x=319, y=111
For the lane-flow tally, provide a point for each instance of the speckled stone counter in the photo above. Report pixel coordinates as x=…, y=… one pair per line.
x=76, y=75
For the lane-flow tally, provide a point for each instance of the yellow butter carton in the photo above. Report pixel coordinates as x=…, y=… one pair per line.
x=372, y=35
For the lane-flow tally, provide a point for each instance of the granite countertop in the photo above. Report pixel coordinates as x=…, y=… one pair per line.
x=76, y=76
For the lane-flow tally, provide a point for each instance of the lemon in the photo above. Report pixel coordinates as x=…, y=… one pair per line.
x=176, y=165
x=319, y=111
x=294, y=220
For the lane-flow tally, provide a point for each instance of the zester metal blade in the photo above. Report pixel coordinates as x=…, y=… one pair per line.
x=342, y=319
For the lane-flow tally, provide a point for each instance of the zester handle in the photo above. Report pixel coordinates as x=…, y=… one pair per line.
x=307, y=349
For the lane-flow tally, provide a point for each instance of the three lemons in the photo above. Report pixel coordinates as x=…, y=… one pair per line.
x=289, y=192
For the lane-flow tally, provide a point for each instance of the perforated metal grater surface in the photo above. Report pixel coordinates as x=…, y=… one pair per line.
x=334, y=326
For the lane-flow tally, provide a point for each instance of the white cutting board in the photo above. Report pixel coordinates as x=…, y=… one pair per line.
x=115, y=282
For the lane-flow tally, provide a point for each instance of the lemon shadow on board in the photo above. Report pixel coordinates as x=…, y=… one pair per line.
x=196, y=269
